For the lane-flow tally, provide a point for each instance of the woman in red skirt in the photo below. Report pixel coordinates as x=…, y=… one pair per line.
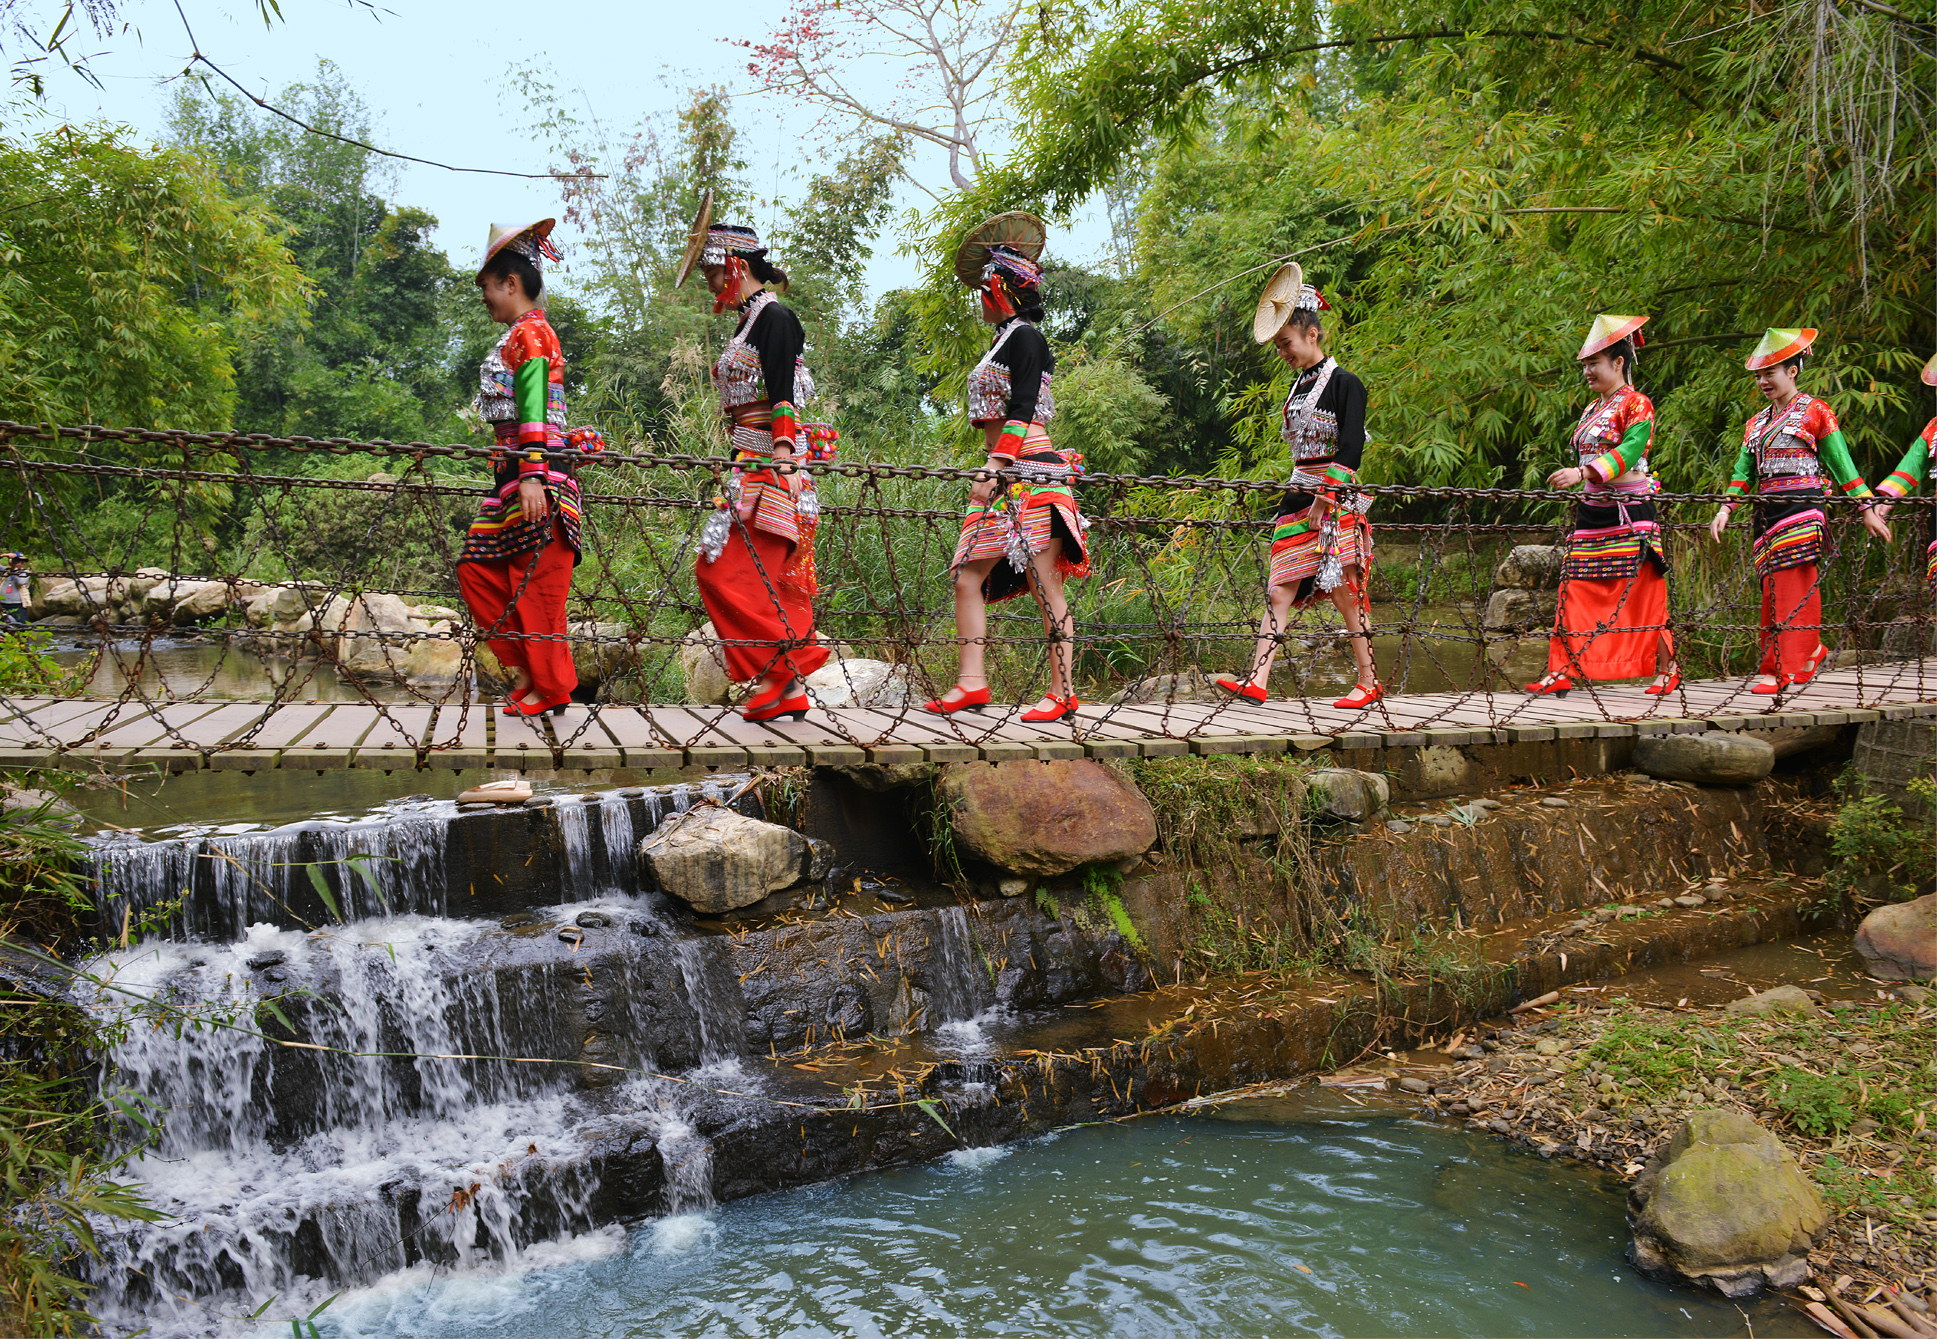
x=1613, y=617
x=1028, y=537
x=515, y=570
x=1793, y=449
x=756, y=563
x=1321, y=544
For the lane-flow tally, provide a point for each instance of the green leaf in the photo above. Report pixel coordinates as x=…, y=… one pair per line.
x=935, y=1114
x=322, y=887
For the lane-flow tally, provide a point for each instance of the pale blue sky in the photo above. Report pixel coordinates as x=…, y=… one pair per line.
x=434, y=76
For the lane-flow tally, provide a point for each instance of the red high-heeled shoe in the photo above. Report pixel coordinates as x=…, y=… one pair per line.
x=1246, y=690
x=1557, y=687
x=775, y=706
x=971, y=699
x=556, y=706
x=1663, y=689
x=1065, y=706
x=1360, y=697
x=1782, y=681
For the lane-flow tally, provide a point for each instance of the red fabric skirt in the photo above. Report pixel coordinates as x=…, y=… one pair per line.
x=748, y=602
x=1792, y=620
x=526, y=618
x=1608, y=627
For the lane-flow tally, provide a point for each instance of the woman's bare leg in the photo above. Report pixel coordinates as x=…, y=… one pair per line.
x=1058, y=627
x=971, y=625
x=1271, y=631
x=1358, y=634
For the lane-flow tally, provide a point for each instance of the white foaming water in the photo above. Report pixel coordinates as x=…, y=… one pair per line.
x=267, y=1186
x=611, y=865
x=974, y=1159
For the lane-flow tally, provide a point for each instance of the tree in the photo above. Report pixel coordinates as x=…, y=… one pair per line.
x=949, y=54
x=372, y=358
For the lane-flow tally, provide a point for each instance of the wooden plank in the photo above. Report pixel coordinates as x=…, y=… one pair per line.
x=1224, y=744
x=1112, y=748
x=289, y=725
x=760, y=745
x=641, y=743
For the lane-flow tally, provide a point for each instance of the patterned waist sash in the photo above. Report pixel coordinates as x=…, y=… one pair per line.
x=1789, y=483
x=1794, y=541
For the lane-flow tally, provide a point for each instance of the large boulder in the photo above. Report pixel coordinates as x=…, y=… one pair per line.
x=1899, y=941
x=1715, y=757
x=719, y=860
x=703, y=667
x=1046, y=818
x=196, y=602
x=434, y=660
x=87, y=596
x=369, y=633
x=1519, y=610
x=1530, y=567
x=1345, y=793
x=289, y=603
x=1725, y=1207
x=860, y=683
x=604, y=653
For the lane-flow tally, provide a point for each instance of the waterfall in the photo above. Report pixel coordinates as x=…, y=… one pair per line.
x=715, y=998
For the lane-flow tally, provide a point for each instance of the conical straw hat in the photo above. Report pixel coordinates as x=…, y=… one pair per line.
x=1779, y=346
x=502, y=237
x=1023, y=231
x=1608, y=330
x=1276, y=303
x=1929, y=373
x=696, y=239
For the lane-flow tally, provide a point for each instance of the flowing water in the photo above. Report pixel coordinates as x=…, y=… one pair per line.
x=1270, y=1217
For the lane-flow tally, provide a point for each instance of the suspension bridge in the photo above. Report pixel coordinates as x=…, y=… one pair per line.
x=291, y=676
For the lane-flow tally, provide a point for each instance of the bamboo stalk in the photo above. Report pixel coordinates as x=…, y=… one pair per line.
x=1856, y=1322
x=1886, y=1324
x=1910, y=1317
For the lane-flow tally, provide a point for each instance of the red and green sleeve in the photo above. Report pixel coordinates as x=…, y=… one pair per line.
x=1913, y=468
x=528, y=393
x=1834, y=455
x=1739, y=473
x=1630, y=451
x=786, y=424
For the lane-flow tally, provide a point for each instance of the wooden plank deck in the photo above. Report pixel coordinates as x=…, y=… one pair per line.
x=246, y=736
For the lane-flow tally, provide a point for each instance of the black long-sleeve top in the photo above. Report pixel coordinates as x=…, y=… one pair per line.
x=778, y=338
x=1027, y=356
x=1344, y=399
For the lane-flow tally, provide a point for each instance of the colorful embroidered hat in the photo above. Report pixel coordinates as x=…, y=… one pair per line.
x=1011, y=242
x=1778, y=347
x=730, y=239
x=1608, y=331
x=1929, y=374
x=1286, y=293
x=531, y=240
x=696, y=238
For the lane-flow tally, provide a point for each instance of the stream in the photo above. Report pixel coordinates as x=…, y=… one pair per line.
x=1266, y=1216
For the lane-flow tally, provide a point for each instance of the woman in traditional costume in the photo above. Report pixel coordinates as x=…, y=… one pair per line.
x=1028, y=536
x=1321, y=544
x=1793, y=449
x=1613, y=617
x=515, y=570
x=1912, y=470
x=756, y=561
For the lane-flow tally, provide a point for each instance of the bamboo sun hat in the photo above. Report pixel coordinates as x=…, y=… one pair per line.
x=1286, y=293
x=1020, y=231
x=530, y=240
x=696, y=239
x=1608, y=331
x=1778, y=347
x=1929, y=375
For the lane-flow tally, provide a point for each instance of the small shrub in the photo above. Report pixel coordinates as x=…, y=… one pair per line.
x=1819, y=1105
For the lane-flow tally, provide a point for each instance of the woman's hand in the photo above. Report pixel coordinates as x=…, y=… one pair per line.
x=1873, y=521
x=983, y=489
x=791, y=475
x=1569, y=477
x=1719, y=524
x=531, y=498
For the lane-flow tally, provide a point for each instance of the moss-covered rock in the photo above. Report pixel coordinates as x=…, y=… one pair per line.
x=1724, y=1206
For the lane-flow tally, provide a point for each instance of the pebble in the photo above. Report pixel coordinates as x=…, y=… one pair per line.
x=1398, y=825
x=1665, y=903
x=273, y=975
x=1498, y=1126
x=1412, y=1084
x=1606, y=913
x=1437, y=820
x=1486, y=803
x=275, y=957
x=1549, y=1046
x=1555, y=802
x=593, y=920
x=1690, y=900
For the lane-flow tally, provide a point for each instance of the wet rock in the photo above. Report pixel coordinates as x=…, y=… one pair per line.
x=1555, y=802
x=1530, y=567
x=1518, y=610
x=1398, y=825
x=1012, y=886
x=884, y=777
x=1046, y=818
x=1780, y=1000
x=1344, y=793
x=820, y=859
x=1412, y=1084
x=592, y=920
x=1899, y=942
x=273, y=958
x=1714, y=757
x=718, y=860
x=1725, y=1207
